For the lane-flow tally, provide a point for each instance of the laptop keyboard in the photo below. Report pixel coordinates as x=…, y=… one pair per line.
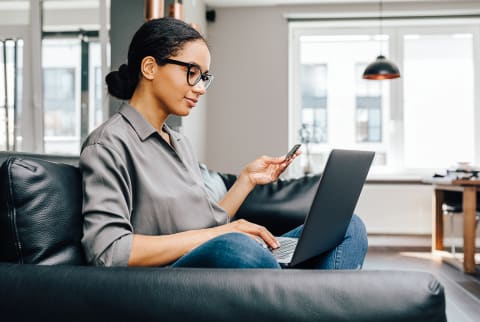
x=284, y=253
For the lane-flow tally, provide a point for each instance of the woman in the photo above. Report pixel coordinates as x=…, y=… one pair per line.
x=145, y=203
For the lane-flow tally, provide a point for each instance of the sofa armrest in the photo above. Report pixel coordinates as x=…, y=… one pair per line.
x=79, y=293
x=280, y=206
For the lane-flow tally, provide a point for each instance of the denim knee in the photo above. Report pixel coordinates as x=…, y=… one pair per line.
x=357, y=231
x=232, y=250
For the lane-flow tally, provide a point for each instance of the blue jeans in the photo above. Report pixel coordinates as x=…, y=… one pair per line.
x=237, y=250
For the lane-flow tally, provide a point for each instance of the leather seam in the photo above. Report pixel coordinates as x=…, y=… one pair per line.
x=12, y=214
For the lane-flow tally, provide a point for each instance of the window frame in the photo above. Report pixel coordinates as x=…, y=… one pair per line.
x=395, y=28
x=31, y=30
x=27, y=120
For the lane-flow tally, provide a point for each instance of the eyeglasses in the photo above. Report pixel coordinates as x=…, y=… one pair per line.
x=194, y=72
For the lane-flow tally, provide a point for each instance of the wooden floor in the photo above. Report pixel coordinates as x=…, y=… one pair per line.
x=462, y=291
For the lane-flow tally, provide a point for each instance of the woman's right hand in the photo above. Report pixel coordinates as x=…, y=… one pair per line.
x=257, y=232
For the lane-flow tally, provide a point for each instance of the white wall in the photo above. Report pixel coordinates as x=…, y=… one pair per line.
x=396, y=208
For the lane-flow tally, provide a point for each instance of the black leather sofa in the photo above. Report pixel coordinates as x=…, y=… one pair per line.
x=44, y=277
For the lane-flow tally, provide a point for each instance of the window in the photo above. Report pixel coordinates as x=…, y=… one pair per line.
x=61, y=95
x=65, y=61
x=59, y=101
x=314, y=102
x=11, y=80
x=417, y=124
x=368, y=125
x=68, y=74
x=438, y=98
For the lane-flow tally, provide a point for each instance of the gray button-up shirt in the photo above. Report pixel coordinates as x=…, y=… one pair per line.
x=135, y=182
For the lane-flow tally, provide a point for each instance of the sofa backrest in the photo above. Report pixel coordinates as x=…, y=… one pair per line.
x=40, y=212
x=41, y=207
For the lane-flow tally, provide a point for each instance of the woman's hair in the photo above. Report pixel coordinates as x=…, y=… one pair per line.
x=159, y=38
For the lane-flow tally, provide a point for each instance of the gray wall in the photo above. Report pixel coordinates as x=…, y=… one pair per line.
x=126, y=17
x=248, y=102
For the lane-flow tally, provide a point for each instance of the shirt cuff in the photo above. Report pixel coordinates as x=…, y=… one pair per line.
x=118, y=253
x=121, y=251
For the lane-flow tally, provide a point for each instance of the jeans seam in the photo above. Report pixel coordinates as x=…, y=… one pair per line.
x=337, y=256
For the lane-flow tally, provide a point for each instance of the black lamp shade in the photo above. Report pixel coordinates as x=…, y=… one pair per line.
x=381, y=68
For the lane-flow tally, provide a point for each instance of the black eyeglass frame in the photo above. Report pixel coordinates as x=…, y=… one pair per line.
x=207, y=78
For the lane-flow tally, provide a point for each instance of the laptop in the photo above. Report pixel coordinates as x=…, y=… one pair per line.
x=332, y=207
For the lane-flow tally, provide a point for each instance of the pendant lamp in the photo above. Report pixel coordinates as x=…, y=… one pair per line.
x=381, y=68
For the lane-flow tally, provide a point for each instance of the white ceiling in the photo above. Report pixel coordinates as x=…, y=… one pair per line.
x=240, y=3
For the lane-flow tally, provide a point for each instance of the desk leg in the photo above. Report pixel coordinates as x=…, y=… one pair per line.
x=469, y=205
x=437, y=229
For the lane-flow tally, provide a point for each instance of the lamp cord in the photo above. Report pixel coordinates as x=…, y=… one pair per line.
x=381, y=26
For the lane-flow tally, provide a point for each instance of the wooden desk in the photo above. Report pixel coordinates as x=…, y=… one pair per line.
x=469, y=189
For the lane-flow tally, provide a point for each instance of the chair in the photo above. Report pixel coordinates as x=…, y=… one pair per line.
x=452, y=206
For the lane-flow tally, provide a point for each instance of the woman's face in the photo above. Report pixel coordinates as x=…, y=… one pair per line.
x=171, y=89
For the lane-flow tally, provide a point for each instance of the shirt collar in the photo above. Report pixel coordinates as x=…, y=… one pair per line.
x=143, y=128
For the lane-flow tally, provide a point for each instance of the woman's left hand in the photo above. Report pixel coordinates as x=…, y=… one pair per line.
x=266, y=169
x=261, y=171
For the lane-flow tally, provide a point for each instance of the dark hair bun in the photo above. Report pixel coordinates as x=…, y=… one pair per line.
x=119, y=83
x=123, y=71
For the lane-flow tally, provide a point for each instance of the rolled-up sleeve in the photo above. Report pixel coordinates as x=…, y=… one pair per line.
x=107, y=203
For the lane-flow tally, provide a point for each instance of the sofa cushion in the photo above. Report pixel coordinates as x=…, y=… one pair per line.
x=40, y=212
x=279, y=206
x=213, y=183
